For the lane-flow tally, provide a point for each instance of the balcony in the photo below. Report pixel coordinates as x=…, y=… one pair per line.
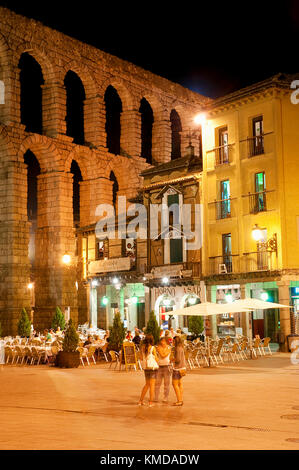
x=189, y=269
x=222, y=209
x=261, y=201
x=223, y=264
x=222, y=154
x=259, y=261
x=258, y=145
x=262, y=260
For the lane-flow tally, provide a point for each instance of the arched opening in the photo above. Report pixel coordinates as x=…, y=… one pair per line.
x=31, y=80
x=147, y=120
x=176, y=129
x=115, y=188
x=33, y=170
x=113, y=112
x=77, y=178
x=75, y=96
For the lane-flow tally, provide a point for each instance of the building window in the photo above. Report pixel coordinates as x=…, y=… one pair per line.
x=176, y=244
x=258, y=199
x=257, y=142
x=227, y=251
x=224, y=205
x=102, y=249
x=223, y=146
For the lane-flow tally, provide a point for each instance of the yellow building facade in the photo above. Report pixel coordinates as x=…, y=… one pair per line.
x=250, y=181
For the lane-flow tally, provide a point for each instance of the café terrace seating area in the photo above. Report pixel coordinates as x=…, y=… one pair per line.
x=35, y=351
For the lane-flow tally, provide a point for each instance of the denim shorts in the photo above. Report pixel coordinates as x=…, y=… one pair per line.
x=176, y=375
x=150, y=374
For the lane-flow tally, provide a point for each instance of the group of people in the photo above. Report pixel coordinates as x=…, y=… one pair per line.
x=159, y=364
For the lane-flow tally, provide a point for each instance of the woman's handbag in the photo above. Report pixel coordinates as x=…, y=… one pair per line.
x=182, y=372
x=150, y=361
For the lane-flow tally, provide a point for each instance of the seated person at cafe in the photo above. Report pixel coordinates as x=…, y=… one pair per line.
x=47, y=335
x=137, y=339
x=58, y=331
x=88, y=342
x=168, y=337
x=129, y=336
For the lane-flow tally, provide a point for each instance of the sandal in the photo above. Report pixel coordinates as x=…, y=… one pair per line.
x=178, y=403
x=140, y=403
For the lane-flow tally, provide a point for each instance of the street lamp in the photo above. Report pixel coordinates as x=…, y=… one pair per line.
x=66, y=259
x=258, y=236
x=200, y=119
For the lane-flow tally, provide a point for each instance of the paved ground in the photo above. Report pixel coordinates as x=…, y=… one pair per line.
x=248, y=405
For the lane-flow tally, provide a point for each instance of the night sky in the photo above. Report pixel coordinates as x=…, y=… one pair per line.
x=213, y=48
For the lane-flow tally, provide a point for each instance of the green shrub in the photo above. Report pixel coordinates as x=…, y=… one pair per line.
x=24, y=325
x=152, y=327
x=117, y=333
x=58, y=320
x=71, y=338
x=195, y=325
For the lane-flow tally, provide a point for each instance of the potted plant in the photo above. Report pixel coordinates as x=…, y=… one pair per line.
x=24, y=325
x=58, y=320
x=195, y=326
x=69, y=357
x=152, y=327
x=117, y=334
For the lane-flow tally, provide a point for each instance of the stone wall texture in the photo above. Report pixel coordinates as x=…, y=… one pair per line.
x=55, y=235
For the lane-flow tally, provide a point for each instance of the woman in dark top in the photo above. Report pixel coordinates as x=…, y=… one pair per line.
x=179, y=369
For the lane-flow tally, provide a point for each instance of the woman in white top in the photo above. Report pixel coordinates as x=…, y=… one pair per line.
x=150, y=366
x=164, y=371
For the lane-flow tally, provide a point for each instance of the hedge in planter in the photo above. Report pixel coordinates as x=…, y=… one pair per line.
x=24, y=325
x=69, y=357
x=152, y=327
x=117, y=334
x=58, y=320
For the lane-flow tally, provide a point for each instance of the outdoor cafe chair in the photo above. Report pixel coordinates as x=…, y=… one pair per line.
x=217, y=352
x=20, y=354
x=36, y=355
x=234, y=352
x=256, y=346
x=265, y=345
x=10, y=353
x=114, y=358
x=27, y=354
x=82, y=355
x=90, y=354
x=243, y=349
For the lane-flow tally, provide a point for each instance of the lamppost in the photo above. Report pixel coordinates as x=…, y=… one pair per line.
x=267, y=245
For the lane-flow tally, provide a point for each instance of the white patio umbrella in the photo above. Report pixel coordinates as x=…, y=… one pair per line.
x=257, y=304
x=206, y=309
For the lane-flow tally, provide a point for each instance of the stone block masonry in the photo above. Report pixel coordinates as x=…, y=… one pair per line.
x=55, y=234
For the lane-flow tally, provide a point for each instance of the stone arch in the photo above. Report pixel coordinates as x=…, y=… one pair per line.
x=44, y=150
x=85, y=76
x=159, y=110
x=124, y=92
x=49, y=70
x=82, y=157
x=122, y=167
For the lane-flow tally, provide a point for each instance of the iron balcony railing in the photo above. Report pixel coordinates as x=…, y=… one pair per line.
x=193, y=266
x=262, y=260
x=260, y=201
x=222, y=209
x=256, y=145
x=223, y=154
x=224, y=264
